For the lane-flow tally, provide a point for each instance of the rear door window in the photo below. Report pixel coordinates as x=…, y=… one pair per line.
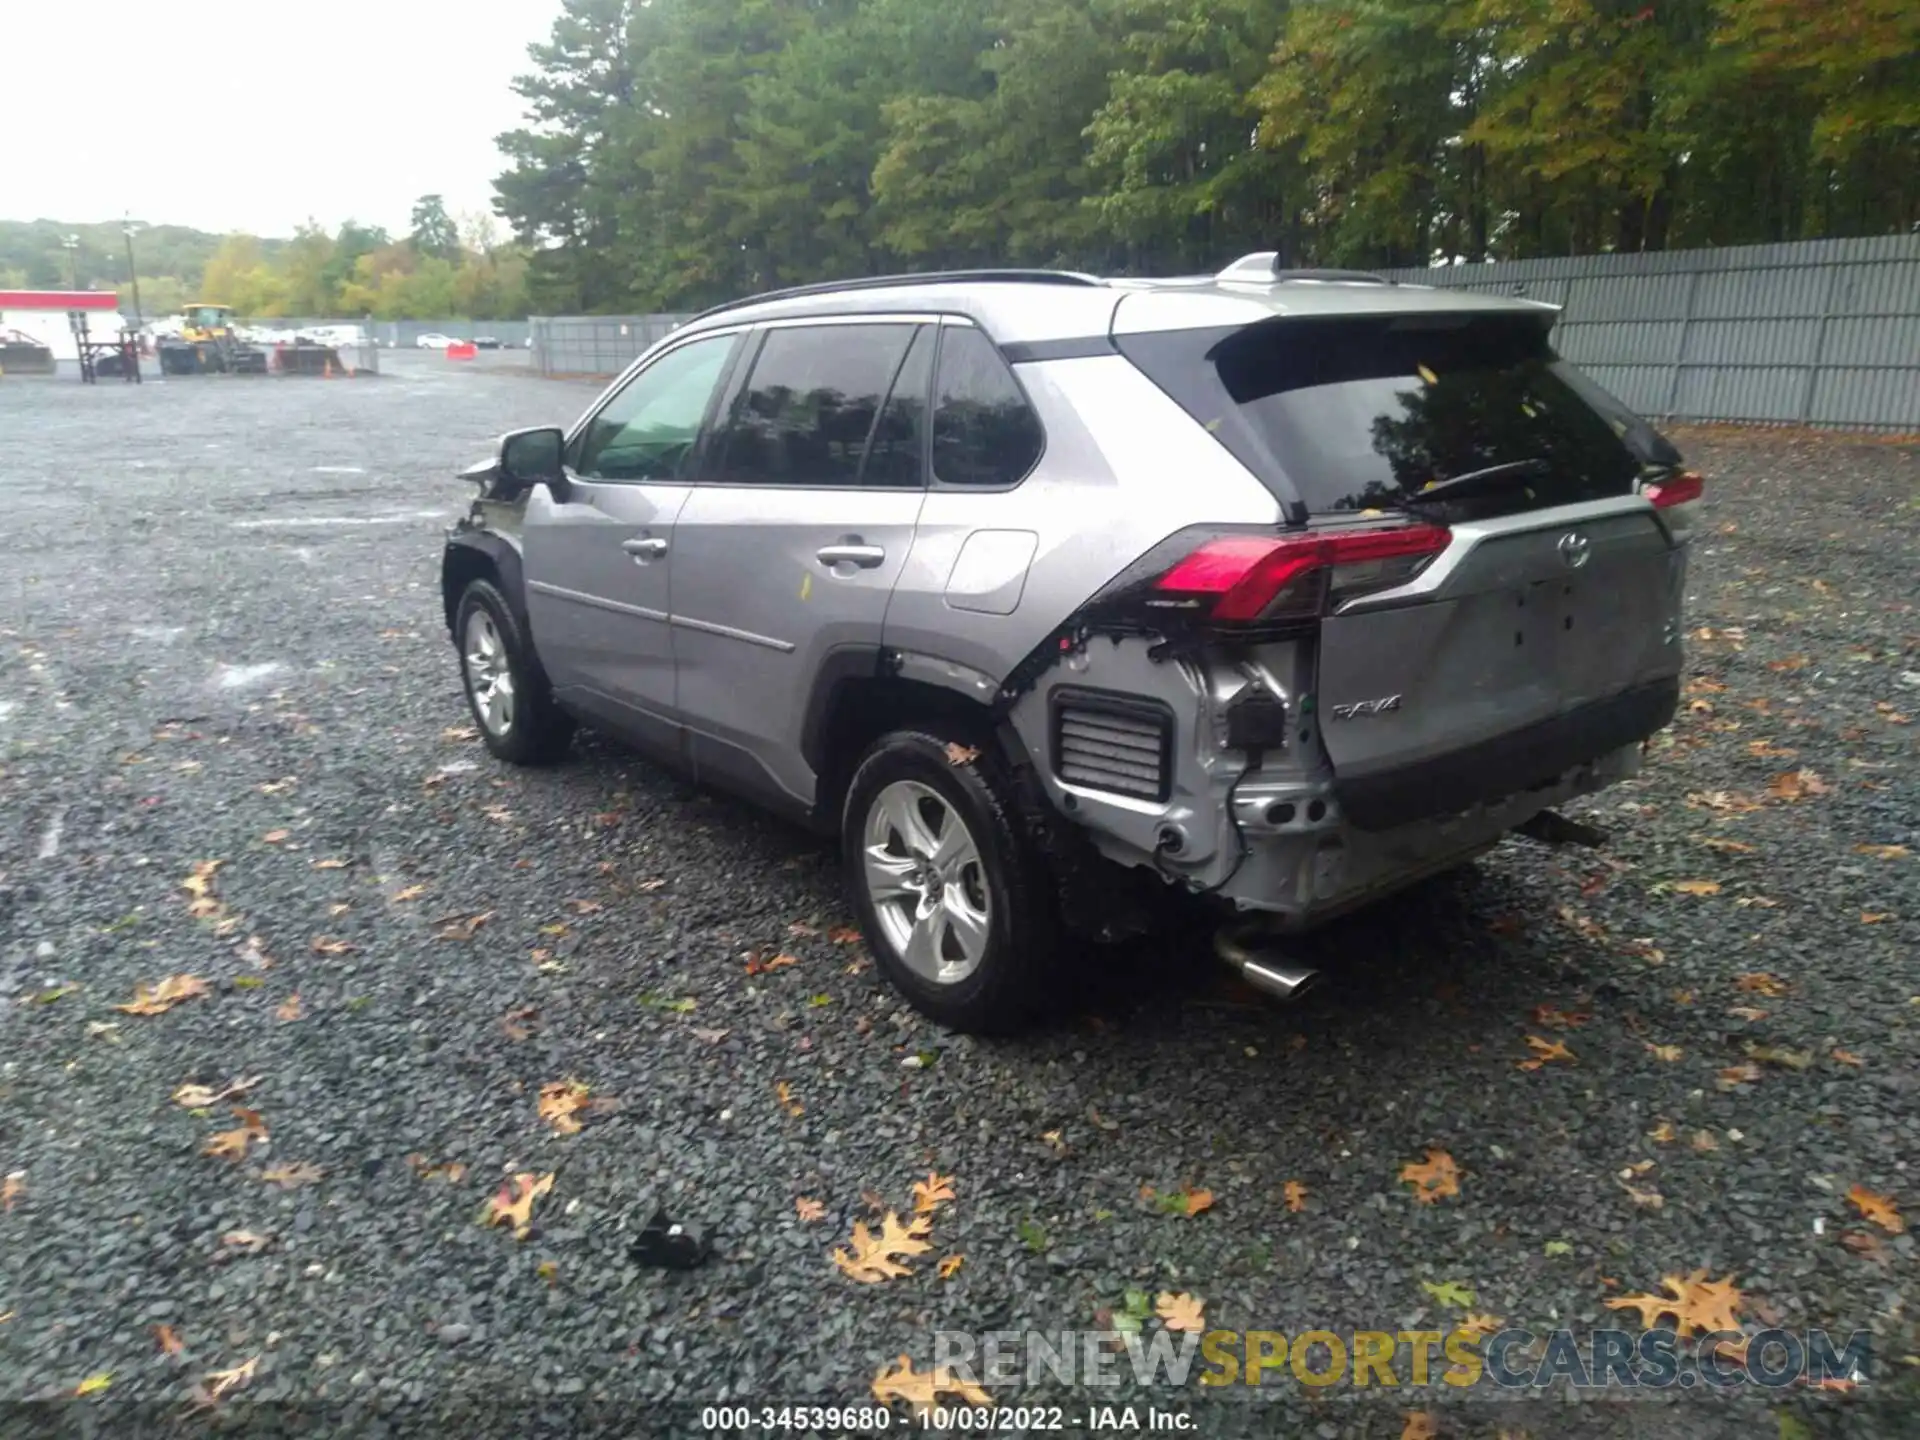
x=806, y=413
x=1361, y=413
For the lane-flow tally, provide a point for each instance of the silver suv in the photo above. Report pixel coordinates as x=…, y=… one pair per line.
x=1285, y=588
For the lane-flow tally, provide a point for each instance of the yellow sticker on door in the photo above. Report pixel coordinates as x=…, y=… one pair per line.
x=806, y=584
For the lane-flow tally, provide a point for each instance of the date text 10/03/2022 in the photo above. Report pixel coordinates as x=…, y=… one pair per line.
x=1002, y=1419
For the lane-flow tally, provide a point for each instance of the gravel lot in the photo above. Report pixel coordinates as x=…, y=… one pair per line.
x=220, y=640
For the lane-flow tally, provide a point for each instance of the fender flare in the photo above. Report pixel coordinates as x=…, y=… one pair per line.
x=501, y=556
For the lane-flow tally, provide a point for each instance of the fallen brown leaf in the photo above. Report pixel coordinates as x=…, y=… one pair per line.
x=238, y=1378
x=1434, y=1179
x=466, y=929
x=844, y=935
x=1847, y=1057
x=808, y=1210
x=1696, y=1304
x=1296, y=1196
x=168, y=1342
x=513, y=1205
x=962, y=754
x=160, y=998
x=245, y=1240
x=1544, y=1052
x=931, y=1193
x=11, y=1189
x=1877, y=1210
x=290, y=1008
x=330, y=945
x=276, y=837
x=1665, y=1052
x=561, y=1102
x=950, y=1266
x=922, y=1389
x=1760, y=982
x=1695, y=887
x=1796, y=785
x=874, y=1258
x=1420, y=1425
x=1182, y=1313
x=784, y=1093
x=291, y=1177
x=1882, y=852
x=412, y=892
x=331, y=864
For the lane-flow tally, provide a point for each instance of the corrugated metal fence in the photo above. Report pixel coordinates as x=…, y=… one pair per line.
x=1817, y=332
x=595, y=344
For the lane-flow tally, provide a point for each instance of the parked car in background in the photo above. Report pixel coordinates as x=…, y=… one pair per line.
x=434, y=340
x=486, y=342
x=1283, y=588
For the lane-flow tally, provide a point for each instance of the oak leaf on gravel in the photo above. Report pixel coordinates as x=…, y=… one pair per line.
x=162, y=997
x=1877, y=1210
x=874, y=1258
x=931, y=1193
x=330, y=945
x=922, y=1390
x=783, y=1092
x=950, y=1266
x=1183, y=1312
x=198, y=1097
x=1882, y=852
x=1796, y=785
x=228, y=1144
x=1760, y=982
x=561, y=1102
x=809, y=1210
x=465, y=929
x=1695, y=887
x=1433, y=1179
x=513, y=1205
x=1544, y=1051
x=291, y=1177
x=238, y=1378
x=168, y=1342
x=1697, y=1305
x=1296, y=1196
x=1420, y=1425
x=290, y=1008
x=11, y=1189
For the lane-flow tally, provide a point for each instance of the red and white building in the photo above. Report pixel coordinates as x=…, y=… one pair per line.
x=42, y=315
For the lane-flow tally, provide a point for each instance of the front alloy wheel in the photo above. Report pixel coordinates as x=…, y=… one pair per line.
x=489, y=676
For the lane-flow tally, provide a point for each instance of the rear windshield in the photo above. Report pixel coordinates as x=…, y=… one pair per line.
x=1360, y=413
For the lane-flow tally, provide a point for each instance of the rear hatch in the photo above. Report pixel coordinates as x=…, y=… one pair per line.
x=1539, y=629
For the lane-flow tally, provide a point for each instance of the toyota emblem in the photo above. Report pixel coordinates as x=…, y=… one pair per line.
x=1575, y=549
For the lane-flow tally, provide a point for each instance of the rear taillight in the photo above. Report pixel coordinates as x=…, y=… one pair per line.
x=1244, y=579
x=1678, y=489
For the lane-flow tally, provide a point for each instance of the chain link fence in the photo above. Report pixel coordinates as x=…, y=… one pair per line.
x=1816, y=332
x=596, y=344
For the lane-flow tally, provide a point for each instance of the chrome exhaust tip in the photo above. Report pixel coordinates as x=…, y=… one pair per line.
x=1278, y=978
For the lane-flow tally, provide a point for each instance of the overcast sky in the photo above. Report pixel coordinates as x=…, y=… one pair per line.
x=250, y=115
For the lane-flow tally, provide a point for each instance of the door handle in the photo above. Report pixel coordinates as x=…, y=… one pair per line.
x=650, y=548
x=865, y=556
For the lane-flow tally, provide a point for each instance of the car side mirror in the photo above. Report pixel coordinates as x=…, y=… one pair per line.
x=532, y=457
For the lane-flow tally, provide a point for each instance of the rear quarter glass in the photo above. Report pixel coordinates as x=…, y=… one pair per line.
x=1352, y=414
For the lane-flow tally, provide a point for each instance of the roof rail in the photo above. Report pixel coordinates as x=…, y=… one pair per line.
x=1263, y=267
x=927, y=277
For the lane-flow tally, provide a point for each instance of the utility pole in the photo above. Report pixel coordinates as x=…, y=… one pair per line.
x=72, y=246
x=133, y=270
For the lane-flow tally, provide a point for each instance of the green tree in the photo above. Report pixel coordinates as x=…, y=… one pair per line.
x=434, y=232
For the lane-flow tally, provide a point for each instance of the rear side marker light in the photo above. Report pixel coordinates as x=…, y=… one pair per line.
x=1678, y=490
x=1255, y=577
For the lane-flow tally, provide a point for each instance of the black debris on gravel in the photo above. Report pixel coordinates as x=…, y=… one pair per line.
x=221, y=641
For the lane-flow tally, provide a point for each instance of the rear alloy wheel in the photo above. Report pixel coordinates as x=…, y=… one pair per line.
x=506, y=689
x=952, y=896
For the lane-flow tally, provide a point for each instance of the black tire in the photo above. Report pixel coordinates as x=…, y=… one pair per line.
x=1012, y=981
x=537, y=731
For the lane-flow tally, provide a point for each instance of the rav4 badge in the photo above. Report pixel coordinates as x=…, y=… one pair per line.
x=1362, y=709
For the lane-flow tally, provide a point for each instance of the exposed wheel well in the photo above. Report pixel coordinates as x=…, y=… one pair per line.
x=459, y=568
x=863, y=708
